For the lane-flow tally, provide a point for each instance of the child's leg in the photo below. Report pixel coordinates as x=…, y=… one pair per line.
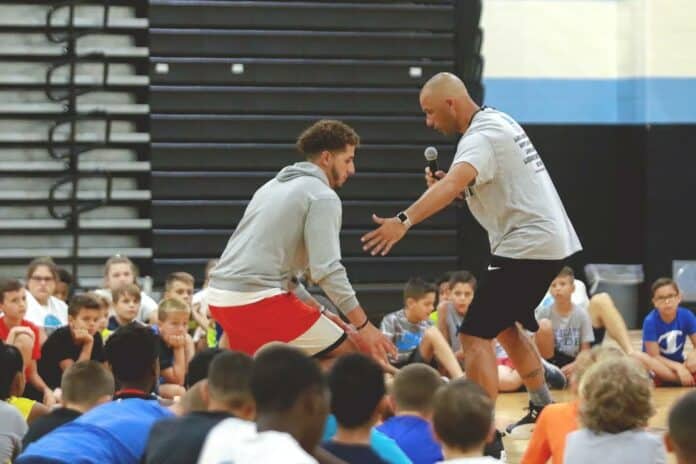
x=690, y=362
x=435, y=345
x=604, y=314
x=171, y=390
x=25, y=344
x=544, y=340
x=661, y=371
x=509, y=379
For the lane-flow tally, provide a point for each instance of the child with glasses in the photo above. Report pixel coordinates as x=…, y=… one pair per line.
x=665, y=330
x=43, y=309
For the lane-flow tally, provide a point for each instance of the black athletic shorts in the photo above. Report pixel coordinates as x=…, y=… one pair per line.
x=508, y=292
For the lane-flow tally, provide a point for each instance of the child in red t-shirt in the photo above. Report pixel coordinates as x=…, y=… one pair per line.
x=17, y=331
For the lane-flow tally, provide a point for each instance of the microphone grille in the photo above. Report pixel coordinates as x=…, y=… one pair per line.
x=430, y=153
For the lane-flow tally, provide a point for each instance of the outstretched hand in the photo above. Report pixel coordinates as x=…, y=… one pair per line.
x=382, y=239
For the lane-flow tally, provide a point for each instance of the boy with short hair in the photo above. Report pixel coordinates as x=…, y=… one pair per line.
x=292, y=403
x=665, y=330
x=176, y=346
x=565, y=329
x=682, y=429
x=414, y=335
x=357, y=391
x=16, y=330
x=228, y=394
x=179, y=285
x=463, y=422
x=78, y=341
x=412, y=394
x=126, y=304
x=105, y=306
x=462, y=287
x=85, y=384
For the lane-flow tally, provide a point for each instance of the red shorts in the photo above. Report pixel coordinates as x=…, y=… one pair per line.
x=281, y=318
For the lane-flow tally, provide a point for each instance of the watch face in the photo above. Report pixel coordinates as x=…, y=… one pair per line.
x=402, y=217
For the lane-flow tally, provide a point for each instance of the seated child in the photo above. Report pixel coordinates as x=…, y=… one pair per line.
x=85, y=384
x=615, y=405
x=357, y=392
x=105, y=305
x=412, y=394
x=176, y=346
x=228, y=394
x=208, y=333
x=414, y=335
x=179, y=285
x=682, y=429
x=557, y=420
x=12, y=424
x=120, y=270
x=665, y=330
x=16, y=330
x=463, y=422
x=565, y=329
x=451, y=312
x=78, y=341
x=12, y=385
x=126, y=304
x=116, y=431
x=443, y=295
x=606, y=318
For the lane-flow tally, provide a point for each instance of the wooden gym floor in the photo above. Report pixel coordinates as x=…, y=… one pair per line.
x=510, y=407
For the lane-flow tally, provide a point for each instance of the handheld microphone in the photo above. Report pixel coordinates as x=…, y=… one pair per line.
x=431, y=156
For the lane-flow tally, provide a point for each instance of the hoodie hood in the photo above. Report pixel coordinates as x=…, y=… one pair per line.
x=301, y=169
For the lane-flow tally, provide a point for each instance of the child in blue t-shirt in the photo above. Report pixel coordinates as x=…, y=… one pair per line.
x=412, y=394
x=665, y=330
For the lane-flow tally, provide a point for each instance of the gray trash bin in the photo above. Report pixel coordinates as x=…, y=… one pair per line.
x=622, y=283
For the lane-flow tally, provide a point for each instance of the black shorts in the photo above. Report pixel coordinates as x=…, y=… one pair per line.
x=508, y=292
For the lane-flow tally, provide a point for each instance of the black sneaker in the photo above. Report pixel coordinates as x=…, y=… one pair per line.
x=525, y=426
x=495, y=448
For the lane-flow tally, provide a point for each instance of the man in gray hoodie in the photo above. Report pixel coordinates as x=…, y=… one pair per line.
x=289, y=230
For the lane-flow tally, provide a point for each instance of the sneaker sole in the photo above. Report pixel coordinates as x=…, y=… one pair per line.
x=521, y=432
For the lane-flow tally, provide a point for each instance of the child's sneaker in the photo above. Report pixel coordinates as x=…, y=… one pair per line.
x=553, y=375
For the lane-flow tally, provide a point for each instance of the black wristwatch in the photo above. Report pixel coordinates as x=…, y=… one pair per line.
x=405, y=220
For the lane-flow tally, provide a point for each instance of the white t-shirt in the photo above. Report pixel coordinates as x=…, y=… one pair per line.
x=51, y=316
x=237, y=441
x=147, y=304
x=513, y=197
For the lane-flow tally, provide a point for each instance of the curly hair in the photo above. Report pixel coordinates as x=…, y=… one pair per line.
x=615, y=396
x=589, y=358
x=327, y=134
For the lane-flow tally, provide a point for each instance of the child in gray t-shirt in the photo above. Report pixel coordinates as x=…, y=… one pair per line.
x=414, y=335
x=565, y=329
x=615, y=405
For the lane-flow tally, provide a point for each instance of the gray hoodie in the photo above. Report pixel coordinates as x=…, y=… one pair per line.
x=289, y=229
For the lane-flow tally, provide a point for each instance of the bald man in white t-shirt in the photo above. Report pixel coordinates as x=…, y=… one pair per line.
x=510, y=193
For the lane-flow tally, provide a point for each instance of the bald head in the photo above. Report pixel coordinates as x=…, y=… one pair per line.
x=446, y=103
x=445, y=85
